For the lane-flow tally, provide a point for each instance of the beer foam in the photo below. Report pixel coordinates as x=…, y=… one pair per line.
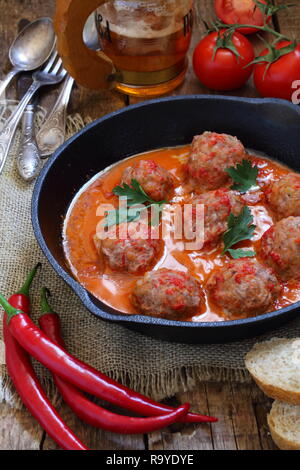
x=129, y=18
x=159, y=7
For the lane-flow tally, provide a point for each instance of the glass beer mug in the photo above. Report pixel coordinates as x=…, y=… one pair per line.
x=143, y=43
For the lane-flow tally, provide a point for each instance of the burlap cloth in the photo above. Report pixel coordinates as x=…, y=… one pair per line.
x=156, y=368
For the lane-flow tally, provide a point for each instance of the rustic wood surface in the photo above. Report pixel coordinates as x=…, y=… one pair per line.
x=241, y=408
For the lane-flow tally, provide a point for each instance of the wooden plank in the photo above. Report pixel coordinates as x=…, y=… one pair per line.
x=18, y=430
x=289, y=19
x=242, y=411
x=243, y=418
x=95, y=439
x=185, y=436
x=261, y=407
x=220, y=404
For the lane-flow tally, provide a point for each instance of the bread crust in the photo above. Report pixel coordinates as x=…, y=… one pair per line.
x=279, y=431
x=281, y=442
x=271, y=390
x=277, y=393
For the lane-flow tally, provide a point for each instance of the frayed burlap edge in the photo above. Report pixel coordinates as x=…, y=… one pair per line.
x=157, y=386
x=178, y=380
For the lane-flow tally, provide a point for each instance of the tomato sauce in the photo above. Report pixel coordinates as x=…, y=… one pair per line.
x=114, y=288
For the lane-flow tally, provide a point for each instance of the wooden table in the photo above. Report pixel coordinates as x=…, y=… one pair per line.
x=241, y=408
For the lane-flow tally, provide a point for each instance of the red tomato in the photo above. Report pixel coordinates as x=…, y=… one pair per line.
x=277, y=81
x=225, y=71
x=240, y=12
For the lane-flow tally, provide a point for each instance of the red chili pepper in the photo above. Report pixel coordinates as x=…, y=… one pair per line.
x=76, y=372
x=90, y=412
x=26, y=382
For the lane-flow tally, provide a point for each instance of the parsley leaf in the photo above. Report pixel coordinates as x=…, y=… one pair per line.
x=236, y=254
x=244, y=176
x=240, y=228
x=135, y=196
x=118, y=216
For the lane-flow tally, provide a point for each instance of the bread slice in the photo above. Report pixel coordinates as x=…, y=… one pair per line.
x=275, y=367
x=284, y=424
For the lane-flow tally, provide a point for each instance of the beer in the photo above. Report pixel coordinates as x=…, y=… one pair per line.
x=147, y=41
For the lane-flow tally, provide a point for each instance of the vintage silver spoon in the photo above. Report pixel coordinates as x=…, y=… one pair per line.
x=31, y=48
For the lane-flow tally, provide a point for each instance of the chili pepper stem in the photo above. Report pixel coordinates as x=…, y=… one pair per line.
x=27, y=284
x=45, y=306
x=11, y=311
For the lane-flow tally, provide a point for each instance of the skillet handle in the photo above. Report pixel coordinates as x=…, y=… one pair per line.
x=91, y=69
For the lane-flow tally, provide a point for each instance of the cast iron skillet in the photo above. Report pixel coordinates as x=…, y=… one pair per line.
x=267, y=125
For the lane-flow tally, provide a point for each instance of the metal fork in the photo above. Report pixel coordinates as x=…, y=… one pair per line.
x=51, y=74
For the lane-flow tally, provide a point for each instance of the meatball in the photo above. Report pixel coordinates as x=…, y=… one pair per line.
x=243, y=287
x=168, y=294
x=155, y=180
x=218, y=205
x=211, y=154
x=132, y=250
x=284, y=197
x=280, y=248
